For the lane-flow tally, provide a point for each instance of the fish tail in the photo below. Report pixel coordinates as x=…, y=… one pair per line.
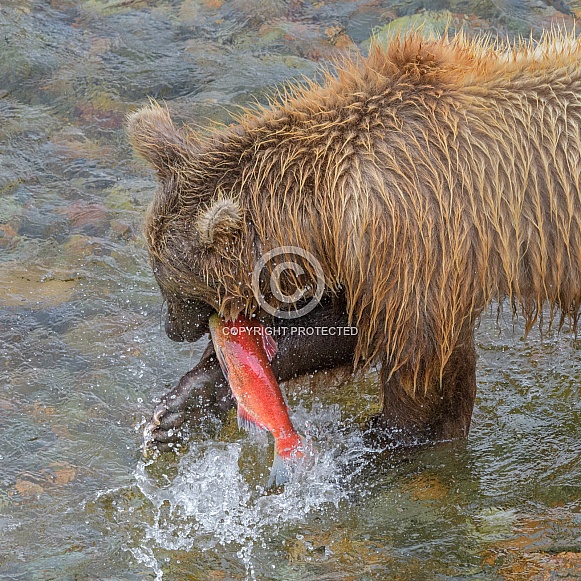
x=290, y=447
x=279, y=473
x=286, y=451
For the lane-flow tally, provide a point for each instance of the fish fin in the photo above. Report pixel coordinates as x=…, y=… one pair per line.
x=222, y=361
x=247, y=422
x=286, y=461
x=279, y=473
x=269, y=345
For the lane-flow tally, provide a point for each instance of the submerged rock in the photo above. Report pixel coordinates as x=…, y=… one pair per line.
x=22, y=286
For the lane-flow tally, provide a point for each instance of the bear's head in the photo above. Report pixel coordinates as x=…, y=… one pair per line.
x=195, y=228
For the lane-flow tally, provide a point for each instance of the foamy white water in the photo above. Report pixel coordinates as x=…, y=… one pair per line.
x=210, y=503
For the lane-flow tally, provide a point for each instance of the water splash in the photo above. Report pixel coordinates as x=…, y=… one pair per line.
x=211, y=503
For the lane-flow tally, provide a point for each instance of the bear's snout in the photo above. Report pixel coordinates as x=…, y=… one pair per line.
x=187, y=319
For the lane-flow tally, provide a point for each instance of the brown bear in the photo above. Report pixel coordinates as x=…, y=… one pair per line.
x=427, y=179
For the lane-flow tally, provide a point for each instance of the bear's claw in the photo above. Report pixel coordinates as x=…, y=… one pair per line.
x=197, y=394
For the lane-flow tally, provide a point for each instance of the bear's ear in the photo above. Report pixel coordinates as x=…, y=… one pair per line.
x=154, y=136
x=218, y=223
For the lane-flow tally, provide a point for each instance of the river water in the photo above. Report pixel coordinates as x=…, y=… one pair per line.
x=83, y=353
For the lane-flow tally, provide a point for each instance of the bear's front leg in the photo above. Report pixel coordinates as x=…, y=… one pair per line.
x=199, y=393
x=440, y=412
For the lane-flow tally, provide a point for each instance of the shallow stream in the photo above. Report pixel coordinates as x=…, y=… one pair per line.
x=83, y=353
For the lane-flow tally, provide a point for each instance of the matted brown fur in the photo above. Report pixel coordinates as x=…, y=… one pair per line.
x=427, y=178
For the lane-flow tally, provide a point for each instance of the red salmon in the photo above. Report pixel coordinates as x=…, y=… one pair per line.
x=244, y=350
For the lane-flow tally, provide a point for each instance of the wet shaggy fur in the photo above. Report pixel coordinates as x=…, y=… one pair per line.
x=427, y=179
